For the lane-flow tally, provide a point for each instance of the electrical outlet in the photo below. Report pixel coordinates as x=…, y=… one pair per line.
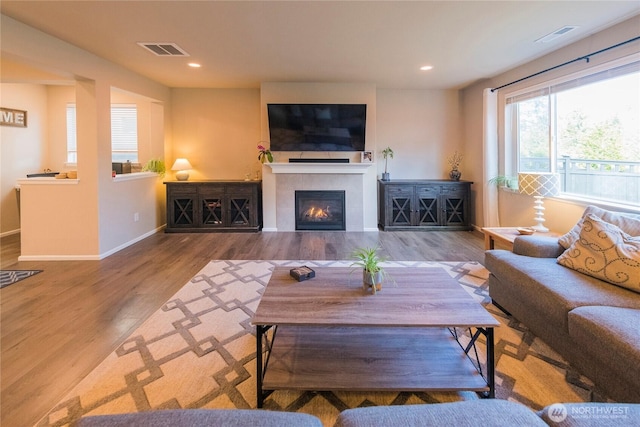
x=136, y=217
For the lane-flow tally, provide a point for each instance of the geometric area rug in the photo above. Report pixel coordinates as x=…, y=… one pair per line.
x=198, y=351
x=9, y=277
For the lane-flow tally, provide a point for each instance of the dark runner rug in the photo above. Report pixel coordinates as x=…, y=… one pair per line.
x=9, y=277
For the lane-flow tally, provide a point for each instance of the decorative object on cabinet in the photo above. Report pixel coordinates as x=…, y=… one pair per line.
x=454, y=162
x=539, y=185
x=386, y=153
x=264, y=154
x=182, y=166
x=213, y=206
x=429, y=204
x=366, y=157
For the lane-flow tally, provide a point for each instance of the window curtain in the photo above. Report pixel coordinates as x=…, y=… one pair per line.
x=490, y=157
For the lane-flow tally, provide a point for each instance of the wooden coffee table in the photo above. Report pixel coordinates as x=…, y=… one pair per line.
x=327, y=333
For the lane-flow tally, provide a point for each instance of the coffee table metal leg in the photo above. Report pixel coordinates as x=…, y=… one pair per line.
x=489, y=377
x=259, y=332
x=262, y=360
x=491, y=368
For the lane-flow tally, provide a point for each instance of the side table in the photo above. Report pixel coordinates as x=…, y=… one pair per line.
x=506, y=236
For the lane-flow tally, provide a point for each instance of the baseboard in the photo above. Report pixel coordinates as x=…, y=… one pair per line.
x=89, y=257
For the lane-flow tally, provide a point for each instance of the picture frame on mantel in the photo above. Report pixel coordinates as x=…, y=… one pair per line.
x=366, y=157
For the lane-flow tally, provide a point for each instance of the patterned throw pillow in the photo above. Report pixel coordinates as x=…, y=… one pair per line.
x=628, y=222
x=606, y=252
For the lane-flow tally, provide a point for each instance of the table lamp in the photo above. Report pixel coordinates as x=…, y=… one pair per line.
x=539, y=185
x=182, y=166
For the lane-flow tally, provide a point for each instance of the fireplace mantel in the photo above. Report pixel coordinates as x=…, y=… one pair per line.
x=320, y=168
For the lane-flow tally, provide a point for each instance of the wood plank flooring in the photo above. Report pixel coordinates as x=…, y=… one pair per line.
x=57, y=326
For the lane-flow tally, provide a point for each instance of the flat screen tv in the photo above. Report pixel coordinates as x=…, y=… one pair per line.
x=317, y=127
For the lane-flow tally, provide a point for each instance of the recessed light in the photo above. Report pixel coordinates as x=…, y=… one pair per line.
x=426, y=68
x=194, y=65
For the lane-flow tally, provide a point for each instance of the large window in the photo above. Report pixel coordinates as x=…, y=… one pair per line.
x=124, y=133
x=586, y=128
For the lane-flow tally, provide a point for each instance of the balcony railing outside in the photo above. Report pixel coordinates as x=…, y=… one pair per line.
x=602, y=179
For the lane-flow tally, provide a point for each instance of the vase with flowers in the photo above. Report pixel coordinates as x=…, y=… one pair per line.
x=264, y=154
x=454, y=162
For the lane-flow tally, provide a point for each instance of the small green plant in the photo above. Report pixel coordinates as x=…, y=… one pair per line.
x=155, y=165
x=504, y=181
x=370, y=260
x=386, y=153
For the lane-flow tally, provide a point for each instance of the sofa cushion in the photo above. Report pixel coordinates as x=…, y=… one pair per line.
x=591, y=414
x=202, y=417
x=551, y=289
x=629, y=223
x=611, y=335
x=606, y=252
x=481, y=413
x=537, y=246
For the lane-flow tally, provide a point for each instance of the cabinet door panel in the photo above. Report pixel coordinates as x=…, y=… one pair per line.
x=399, y=201
x=454, y=210
x=427, y=212
x=212, y=213
x=182, y=211
x=240, y=211
x=400, y=210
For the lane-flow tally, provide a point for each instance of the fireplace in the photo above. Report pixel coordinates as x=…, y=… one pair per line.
x=320, y=210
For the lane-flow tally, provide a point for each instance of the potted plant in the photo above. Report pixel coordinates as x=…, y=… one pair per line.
x=505, y=181
x=386, y=153
x=372, y=272
x=155, y=165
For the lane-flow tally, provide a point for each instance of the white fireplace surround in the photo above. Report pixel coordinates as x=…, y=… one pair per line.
x=286, y=178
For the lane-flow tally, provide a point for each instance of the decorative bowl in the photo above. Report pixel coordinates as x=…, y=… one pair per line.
x=525, y=230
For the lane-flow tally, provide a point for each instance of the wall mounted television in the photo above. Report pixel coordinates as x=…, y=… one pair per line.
x=317, y=127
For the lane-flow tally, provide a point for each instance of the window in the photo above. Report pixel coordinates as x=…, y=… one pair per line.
x=72, y=146
x=124, y=133
x=585, y=128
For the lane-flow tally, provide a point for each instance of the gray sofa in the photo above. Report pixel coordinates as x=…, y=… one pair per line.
x=593, y=324
x=474, y=413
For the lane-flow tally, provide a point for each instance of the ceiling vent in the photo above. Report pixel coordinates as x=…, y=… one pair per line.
x=163, y=49
x=557, y=33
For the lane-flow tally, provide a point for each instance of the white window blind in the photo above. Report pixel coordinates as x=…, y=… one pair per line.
x=72, y=145
x=124, y=133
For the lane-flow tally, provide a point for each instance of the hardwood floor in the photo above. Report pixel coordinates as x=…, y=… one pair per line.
x=57, y=326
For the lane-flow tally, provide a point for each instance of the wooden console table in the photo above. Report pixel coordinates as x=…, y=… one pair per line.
x=427, y=204
x=213, y=206
x=506, y=236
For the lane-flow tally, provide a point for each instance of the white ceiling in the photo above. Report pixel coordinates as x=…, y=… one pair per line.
x=243, y=43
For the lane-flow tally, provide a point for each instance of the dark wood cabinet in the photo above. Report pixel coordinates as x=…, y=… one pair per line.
x=424, y=204
x=213, y=206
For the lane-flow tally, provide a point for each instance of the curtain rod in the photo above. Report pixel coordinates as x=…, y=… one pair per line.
x=585, y=58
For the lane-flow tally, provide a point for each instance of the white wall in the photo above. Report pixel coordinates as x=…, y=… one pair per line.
x=23, y=150
x=218, y=131
x=422, y=128
x=101, y=218
x=516, y=209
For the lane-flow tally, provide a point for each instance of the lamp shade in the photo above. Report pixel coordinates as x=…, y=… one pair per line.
x=181, y=165
x=542, y=184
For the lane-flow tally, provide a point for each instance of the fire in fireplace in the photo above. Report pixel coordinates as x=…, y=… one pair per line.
x=320, y=210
